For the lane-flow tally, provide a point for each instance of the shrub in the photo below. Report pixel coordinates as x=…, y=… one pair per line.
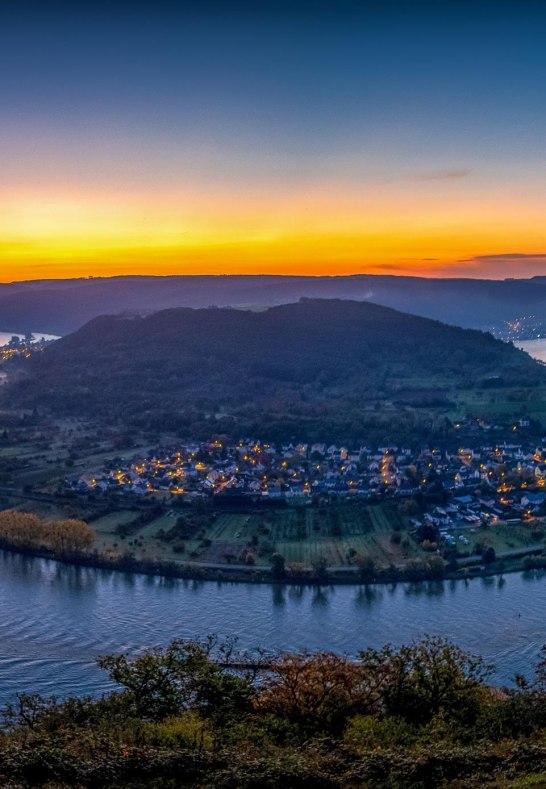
x=369, y=732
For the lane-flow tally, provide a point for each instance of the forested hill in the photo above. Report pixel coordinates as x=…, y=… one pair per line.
x=304, y=360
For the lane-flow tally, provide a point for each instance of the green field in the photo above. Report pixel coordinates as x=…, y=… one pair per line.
x=501, y=402
x=502, y=537
x=300, y=534
x=150, y=530
x=107, y=524
x=303, y=536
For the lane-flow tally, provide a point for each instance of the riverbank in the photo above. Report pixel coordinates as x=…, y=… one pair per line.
x=471, y=567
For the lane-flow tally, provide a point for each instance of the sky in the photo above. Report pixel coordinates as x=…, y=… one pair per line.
x=272, y=137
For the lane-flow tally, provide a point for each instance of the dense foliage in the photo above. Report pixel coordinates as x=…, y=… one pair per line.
x=205, y=715
x=25, y=530
x=312, y=369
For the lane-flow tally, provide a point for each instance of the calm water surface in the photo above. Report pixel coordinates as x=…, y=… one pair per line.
x=5, y=337
x=54, y=619
x=535, y=348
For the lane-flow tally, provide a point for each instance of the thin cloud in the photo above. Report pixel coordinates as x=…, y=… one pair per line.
x=505, y=264
x=506, y=257
x=441, y=175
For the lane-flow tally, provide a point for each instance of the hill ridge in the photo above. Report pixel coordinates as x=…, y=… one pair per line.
x=324, y=361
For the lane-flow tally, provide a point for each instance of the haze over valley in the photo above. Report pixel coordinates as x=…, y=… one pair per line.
x=510, y=308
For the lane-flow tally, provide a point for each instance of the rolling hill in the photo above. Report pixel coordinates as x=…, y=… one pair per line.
x=325, y=364
x=62, y=306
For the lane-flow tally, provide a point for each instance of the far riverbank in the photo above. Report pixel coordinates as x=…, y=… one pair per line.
x=470, y=567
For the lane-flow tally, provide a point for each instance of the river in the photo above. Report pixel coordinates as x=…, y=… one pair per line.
x=55, y=618
x=5, y=337
x=535, y=348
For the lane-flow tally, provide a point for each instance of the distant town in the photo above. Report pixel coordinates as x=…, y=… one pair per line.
x=21, y=347
x=523, y=327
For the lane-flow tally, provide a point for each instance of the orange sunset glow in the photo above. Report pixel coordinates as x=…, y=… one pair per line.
x=418, y=229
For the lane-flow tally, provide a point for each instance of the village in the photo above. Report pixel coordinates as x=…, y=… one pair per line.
x=20, y=347
x=476, y=498
x=477, y=483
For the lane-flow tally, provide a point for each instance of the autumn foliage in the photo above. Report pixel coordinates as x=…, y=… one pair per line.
x=320, y=689
x=25, y=530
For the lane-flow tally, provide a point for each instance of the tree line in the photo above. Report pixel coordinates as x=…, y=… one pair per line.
x=26, y=530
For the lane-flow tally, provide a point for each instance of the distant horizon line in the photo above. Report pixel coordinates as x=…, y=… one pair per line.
x=86, y=277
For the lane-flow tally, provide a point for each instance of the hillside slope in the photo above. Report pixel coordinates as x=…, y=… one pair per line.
x=320, y=360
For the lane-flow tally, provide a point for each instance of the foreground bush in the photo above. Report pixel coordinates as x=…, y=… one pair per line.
x=205, y=715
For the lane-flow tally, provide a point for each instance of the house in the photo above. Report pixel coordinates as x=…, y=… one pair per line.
x=540, y=471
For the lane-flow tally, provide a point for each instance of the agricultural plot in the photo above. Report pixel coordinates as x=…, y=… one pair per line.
x=502, y=537
x=39, y=475
x=502, y=402
x=48, y=511
x=301, y=534
x=150, y=530
x=107, y=524
x=233, y=527
x=20, y=452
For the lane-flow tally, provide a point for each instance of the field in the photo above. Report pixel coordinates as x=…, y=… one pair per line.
x=503, y=537
x=501, y=402
x=301, y=534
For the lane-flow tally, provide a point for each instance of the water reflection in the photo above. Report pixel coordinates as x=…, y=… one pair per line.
x=391, y=587
x=534, y=575
x=429, y=588
x=321, y=595
x=296, y=592
x=488, y=580
x=368, y=595
x=279, y=595
x=80, y=580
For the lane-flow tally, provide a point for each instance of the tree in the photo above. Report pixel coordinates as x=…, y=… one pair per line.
x=278, y=565
x=319, y=568
x=318, y=691
x=427, y=677
x=489, y=555
x=183, y=675
x=367, y=570
x=409, y=506
x=70, y=536
x=27, y=530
